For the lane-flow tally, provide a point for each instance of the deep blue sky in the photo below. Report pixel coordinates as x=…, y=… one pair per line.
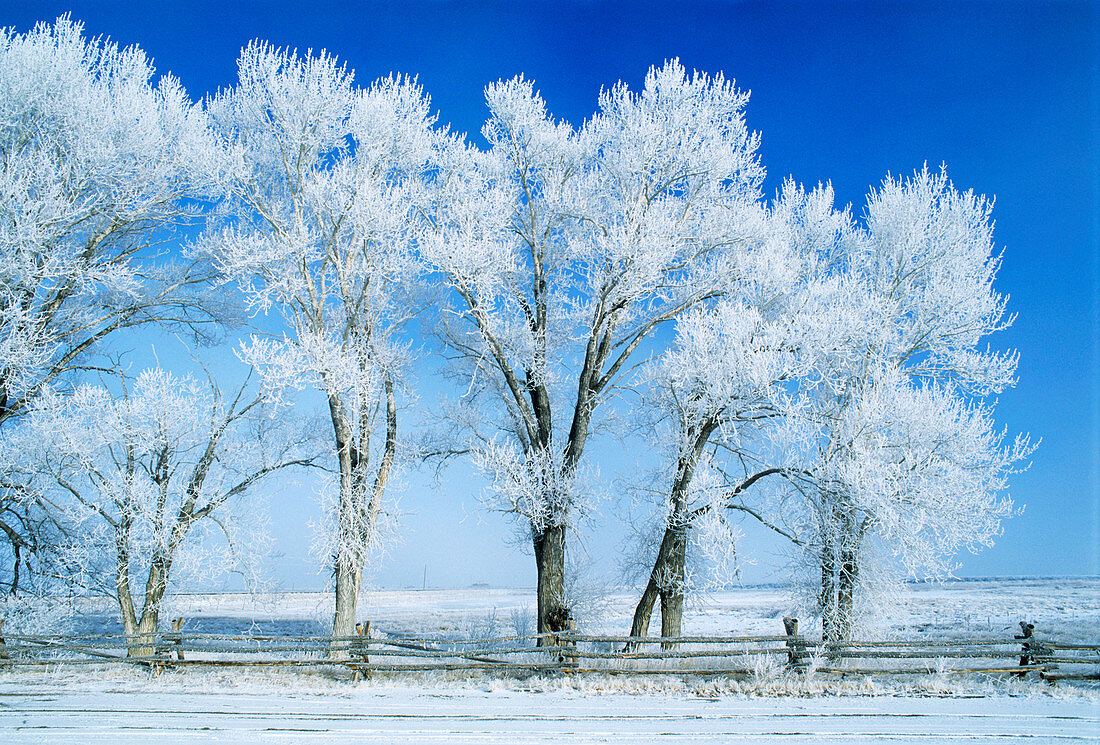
x=1004, y=93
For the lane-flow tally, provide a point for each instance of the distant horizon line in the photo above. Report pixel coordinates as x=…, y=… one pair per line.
x=630, y=588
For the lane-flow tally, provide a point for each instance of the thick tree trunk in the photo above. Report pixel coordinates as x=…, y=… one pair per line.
x=129, y=615
x=644, y=610
x=122, y=584
x=672, y=614
x=348, y=582
x=668, y=575
x=358, y=521
x=553, y=612
x=672, y=592
x=146, y=633
x=141, y=632
x=347, y=569
x=827, y=594
x=349, y=532
x=849, y=577
x=155, y=586
x=666, y=581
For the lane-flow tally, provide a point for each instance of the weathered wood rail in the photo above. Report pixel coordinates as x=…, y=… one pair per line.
x=570, y=653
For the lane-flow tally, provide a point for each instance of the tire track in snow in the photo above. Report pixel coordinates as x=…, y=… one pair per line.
x=414, y=716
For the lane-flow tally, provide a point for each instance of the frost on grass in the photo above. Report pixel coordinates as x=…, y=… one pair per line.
x=765, y=683
x=1062, y=608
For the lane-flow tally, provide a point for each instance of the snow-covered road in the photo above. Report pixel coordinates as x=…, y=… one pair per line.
x=470, y=715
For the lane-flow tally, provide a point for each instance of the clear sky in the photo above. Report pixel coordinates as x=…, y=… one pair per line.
x=1005, y=93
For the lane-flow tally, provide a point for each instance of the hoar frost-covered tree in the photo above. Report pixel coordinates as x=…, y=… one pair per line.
x=132, y=480
x=564, y=250
x=719, y=390
x=864, y=395
x=826, y=379
x=320, y=185
x=97, y=164
x=893, y=428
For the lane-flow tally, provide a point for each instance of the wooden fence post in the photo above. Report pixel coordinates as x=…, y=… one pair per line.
x=177, y=626
x=360, y=649
x=1031, y=649
x=168, y=648
x=564, y=629
x=796, y=647
x=1027, y=629
x=569, y=657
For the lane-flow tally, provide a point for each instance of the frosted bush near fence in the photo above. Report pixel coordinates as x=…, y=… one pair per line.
x=36, y=616
x=138, y=477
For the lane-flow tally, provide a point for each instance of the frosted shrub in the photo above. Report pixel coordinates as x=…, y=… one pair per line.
x=523, y=621
x=482, y=627
x=34, y=616
x=766, y=669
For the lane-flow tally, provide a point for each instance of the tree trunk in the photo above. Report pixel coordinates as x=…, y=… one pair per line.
x=666, y=581
x=17, y=544
x=146, y=634
x=667, y=577
x=672, y=614
x=849, y=577
x=155, y=586
x=129, y=618
x=348, y=569
x=15, y=569
x=140, y=634
x=358, y=521
x=122, y=584
x=349, y=532
x=553, y=612
x=348, y=581
x=642, y=614
x=672, y=592
x=827, y=595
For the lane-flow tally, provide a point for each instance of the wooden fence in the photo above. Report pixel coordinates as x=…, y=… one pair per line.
x=571, y=652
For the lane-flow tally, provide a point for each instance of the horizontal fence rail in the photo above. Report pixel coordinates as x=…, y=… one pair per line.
x=569, y=652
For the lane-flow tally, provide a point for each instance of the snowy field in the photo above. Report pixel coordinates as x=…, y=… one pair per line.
x=1064, y=608
x=69, y=704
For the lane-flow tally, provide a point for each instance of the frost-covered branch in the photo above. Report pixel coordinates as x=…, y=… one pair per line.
x=190, y=456
x=320, y=183
x=562, y=251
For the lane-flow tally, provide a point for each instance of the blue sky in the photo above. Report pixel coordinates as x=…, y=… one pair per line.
x=1005, y=93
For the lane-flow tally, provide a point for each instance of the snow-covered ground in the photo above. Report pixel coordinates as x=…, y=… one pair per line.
x=1066, y=608
x=78, y=704
x=480, y=714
